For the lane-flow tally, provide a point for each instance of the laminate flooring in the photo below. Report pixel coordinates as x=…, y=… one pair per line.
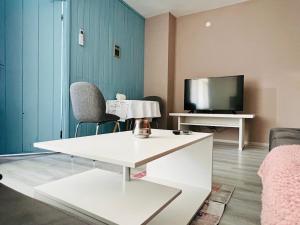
x=229, y=167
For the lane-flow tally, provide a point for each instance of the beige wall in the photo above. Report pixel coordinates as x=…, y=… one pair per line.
x=259, y=38
x=160, y=60
x=171, y=73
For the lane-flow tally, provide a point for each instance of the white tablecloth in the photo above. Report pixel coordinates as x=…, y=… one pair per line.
x=133, y=109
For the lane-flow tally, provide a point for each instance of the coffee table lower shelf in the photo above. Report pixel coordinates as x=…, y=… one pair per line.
x=102, y=196
x=183, y=209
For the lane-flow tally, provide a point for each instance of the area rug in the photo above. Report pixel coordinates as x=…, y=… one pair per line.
x=213, y=209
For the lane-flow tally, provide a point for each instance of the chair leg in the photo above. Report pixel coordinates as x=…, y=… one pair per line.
x=156, y=122
x=97, y=128
x=131, y=124
x=117, y=126
x=127, y=125
x=77, y=127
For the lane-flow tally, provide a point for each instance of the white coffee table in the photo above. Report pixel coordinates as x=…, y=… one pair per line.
x=179, y=178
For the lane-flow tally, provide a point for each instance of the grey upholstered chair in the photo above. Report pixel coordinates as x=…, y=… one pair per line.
x=89, y=106
x=160, y=102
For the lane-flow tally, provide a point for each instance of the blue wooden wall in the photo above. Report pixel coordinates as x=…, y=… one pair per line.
x=107, y=22
x=2, y=33
x=30, y=107
x=2, y=72
x=30, y=63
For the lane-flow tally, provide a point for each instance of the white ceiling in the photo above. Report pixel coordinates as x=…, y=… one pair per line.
x=149, y=8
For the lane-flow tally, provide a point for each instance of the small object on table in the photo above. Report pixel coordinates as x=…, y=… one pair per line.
x=142, y=128
x=120, y=96
x=176, y=132
x=187, y=132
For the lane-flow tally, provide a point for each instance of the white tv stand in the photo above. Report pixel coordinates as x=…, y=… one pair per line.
x=215, y=120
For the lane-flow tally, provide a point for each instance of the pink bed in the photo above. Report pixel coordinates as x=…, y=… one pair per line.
x=280, y=174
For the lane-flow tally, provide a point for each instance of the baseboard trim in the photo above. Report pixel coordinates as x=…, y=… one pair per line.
x=226, y=141
x=29, y=154
x=255, y=144
x=258, y=144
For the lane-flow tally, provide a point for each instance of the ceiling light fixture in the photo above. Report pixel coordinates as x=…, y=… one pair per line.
x=208, y=24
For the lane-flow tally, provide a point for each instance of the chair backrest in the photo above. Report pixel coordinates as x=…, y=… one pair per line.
x=155, y=99
x=88, y=103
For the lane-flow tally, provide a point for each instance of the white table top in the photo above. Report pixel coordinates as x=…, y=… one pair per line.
x=123, y=148
x=133, y=109
x=239, y=116
x=101, y=195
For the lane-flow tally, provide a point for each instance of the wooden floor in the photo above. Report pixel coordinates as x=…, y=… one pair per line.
x=240, y=169
x=230, y=167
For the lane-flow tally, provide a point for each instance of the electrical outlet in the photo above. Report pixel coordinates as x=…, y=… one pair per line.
x=117, y=51
x=81, y=37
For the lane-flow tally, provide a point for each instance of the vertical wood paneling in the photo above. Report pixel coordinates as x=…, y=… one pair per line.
x=2, y=108
x=56, y=71
x=46, y=72
x=2, y=33
x=13, y=80
x=66, y=68
x=30, y=73
x=31, y=82
x=107, y=22
x=2, y=78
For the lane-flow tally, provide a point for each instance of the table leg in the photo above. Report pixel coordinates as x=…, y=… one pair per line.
x=127, y=125
x=126, y=174
x=131, y=124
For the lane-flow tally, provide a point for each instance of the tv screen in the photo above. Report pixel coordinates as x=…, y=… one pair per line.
x=214, y=94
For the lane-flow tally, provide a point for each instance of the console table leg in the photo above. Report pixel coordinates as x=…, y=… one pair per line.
x=179, y=123
x=241, y=134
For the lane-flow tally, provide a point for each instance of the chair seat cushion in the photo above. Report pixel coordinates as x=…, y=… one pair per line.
x=18, y=209
x=110, y=118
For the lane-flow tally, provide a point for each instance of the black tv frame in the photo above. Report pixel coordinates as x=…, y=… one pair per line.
x=216, y=111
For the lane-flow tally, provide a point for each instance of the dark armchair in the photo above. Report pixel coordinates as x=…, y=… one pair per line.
x=284, y=136
x=161, y=105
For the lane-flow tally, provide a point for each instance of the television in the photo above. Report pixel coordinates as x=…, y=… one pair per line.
x=214, y=94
